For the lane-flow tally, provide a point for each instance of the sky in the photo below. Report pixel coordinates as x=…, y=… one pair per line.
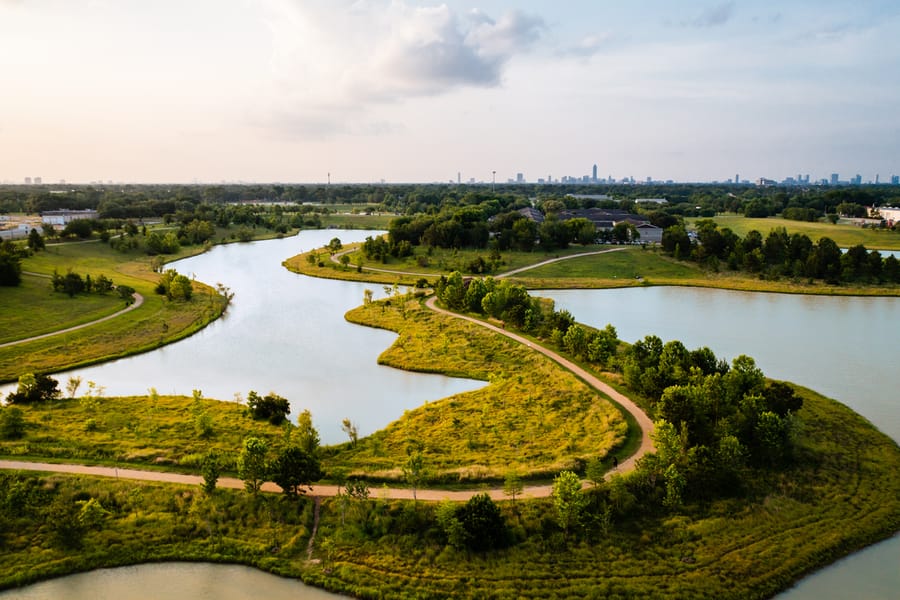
x=182, y=91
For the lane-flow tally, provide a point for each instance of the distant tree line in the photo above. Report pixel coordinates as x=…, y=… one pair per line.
x=779, y=254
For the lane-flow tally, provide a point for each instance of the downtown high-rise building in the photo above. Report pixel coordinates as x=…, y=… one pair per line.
x=594, y=174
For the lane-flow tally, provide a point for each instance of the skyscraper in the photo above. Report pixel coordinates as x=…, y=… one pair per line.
x=737, y=178
x=834, y=179
x=594, y=177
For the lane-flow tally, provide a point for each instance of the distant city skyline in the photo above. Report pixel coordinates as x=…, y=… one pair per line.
x=403, y=91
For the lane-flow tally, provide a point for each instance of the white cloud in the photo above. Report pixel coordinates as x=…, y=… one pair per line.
x=335, y=59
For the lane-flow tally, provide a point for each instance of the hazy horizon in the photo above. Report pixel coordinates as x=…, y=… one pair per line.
x=401, y=91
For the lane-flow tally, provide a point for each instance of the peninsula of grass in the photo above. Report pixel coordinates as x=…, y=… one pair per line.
x=845, y=234
x=625, y=267
x=534, y=418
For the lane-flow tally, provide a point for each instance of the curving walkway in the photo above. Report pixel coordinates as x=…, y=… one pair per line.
x=335, y=258
x=640, y=416
x=138, y=300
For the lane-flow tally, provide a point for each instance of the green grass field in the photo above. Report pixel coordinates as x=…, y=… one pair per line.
x=33, y=308
x=155, y=323
x=845, y=234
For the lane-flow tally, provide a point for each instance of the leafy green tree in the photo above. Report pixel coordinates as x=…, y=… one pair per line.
x=175, y=286
x=306, y=436
x=512, y=485
x=126, y=293
x=35, y=240
x=92, y=515
x=210, y=469
x=414, y=468
x=10, y=265
x=252, y=464
x=568, y=500
x=294, y=468
x=335, y=245
x=484, y=526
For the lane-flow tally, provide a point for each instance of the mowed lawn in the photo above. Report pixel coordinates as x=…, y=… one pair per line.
x=33, y=308
x=845, y=235
x=630, y=263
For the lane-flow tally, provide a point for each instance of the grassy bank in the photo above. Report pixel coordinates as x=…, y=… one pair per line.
x=631, y=267
x=157, y=322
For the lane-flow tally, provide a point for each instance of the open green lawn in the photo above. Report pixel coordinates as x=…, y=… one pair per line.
x=844, y=234
x=629, y=264
x=351, y=221
x=155, y=323
x=33, y=308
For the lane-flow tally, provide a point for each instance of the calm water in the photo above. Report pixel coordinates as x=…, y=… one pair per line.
x=286, y=332
x=170, y=581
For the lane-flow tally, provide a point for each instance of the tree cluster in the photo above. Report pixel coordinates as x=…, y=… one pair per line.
x=780, y=255
x=271, y=407
x=73, y=283
x=175, y=286
x=10, y=264
x=34, y=388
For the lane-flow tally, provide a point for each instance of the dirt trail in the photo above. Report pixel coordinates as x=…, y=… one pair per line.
x=640, y=416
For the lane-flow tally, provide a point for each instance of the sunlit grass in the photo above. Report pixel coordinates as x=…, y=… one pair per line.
x=33, y=308
x=844, y=234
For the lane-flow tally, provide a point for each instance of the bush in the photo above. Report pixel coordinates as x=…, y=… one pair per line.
x=272, y=407
x=12, y=423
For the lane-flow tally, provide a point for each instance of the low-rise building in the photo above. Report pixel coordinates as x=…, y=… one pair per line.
x=61, y=218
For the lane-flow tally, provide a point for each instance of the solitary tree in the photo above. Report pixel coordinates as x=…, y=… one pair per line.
x=350, y=429
x=295, y=468
x=211, y=469
x=414, y=469
x=568, y=500
x=252, y=465
x=512, y=485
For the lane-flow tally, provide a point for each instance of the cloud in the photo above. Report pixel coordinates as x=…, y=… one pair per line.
x=589, y=45
x=713, y=16
x=337, y=57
